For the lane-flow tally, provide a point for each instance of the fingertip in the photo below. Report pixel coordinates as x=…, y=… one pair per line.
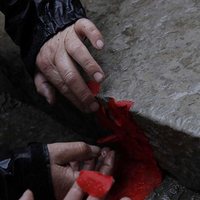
x=98, y=77
x=51, y=99
x=95, y=150
x=49, y=93
x=100, y=44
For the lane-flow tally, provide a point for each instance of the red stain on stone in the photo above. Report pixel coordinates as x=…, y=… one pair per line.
x=136, y=173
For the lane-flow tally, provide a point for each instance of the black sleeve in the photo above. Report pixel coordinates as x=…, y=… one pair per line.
x=27, y=168
x=30, y=23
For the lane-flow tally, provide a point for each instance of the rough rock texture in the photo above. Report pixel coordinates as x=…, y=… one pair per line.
x=172, y=190
x=152, y=57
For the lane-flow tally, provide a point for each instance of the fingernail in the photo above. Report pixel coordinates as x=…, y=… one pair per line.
x=98, y=77
x=104, y=152
x=95, y=150
x=100, y=44
x=94, y=106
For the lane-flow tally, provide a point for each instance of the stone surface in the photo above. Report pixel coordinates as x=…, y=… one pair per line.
x=172, y=190
x=152, y=56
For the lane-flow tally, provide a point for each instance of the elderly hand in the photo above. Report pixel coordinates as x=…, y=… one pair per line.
x=65, y=165
x=66, y=160
x=57, y=63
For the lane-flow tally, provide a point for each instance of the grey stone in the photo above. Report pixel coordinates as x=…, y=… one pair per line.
x=152, y=56
x=172, y=190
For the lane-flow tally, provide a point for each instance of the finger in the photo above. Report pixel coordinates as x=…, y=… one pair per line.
x=106, y=168
x=62, y=153
x=44, y=88
x=89, y=164
x=78, y=51
x=74, y=165
x=28, y=195
x=63, y=178
x=74, y=81
x=101, y=158
x=85, y=27
x=108, y=164
x=75, y=193
x=54, y=77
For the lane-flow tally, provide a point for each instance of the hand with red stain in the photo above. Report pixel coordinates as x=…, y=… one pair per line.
x=67, y=159
x=58, y=62
x=105, y=166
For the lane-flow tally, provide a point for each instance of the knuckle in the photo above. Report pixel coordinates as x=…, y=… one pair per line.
x=81, y=22
x=43, y=63
x=83, y=147
x=70, y=77
x=89, y=65
x=74, y=49
x=63, y=88
x=45, y=67
x=85, y=96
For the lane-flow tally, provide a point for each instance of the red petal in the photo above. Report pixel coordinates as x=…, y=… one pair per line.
x=95, y=183
x=94, y=87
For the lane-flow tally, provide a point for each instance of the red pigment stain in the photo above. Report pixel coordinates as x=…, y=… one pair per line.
x=136, y=172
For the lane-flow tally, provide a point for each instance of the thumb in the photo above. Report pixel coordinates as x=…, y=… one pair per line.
x=28, y=195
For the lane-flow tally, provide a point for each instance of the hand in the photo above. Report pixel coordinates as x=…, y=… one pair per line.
x=57, y=63
x=104, y=164
x=66, y=159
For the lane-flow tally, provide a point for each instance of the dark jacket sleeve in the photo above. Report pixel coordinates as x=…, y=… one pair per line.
x=27, y=168
x=30, y=23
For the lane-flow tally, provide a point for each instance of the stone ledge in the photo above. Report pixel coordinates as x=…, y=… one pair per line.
x=152, y=57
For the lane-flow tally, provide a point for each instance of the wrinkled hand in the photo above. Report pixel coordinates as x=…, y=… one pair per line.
x=57, y=63
x=66, y=160
x=65, y=165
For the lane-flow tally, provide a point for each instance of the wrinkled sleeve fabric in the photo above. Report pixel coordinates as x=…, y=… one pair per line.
x=30, y=23
x=24, y=169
